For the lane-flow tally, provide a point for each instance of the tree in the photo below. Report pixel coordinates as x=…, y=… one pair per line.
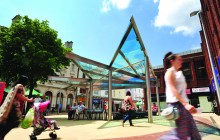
x=30, y=47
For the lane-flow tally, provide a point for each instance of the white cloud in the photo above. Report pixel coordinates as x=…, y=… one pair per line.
x=155, y=1
x=119, y=4
x=175, y=14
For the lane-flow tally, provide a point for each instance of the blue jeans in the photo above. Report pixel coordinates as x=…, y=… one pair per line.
x=129, y=115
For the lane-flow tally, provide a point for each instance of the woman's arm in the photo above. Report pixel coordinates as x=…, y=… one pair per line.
x=23, y=98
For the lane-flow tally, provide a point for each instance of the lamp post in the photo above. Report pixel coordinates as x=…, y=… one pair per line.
x=209, y=54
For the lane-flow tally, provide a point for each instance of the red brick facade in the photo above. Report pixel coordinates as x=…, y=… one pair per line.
x=192, y=80
x=194, y=69
x=211, y=20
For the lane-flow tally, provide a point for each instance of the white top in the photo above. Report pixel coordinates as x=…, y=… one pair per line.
x=180, y=86
x=74, y=107
x=81, y=107
x=37, y=100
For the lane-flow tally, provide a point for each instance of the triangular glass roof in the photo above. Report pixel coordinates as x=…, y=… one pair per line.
x=128, y=65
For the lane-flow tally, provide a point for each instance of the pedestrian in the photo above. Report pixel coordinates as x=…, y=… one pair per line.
x=37, y=99
x=154, y=109
x=175, y=97
x=11, y=109
x=72, y=111
x=129, y=108
x=60, y=107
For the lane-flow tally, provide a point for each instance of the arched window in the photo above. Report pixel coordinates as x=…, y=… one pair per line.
x=59, y=99
x=70, y=99
x=49, y=95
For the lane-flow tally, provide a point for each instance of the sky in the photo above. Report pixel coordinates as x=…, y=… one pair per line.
x=96, y=27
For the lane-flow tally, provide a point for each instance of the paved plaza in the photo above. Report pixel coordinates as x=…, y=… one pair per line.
x=98, y=129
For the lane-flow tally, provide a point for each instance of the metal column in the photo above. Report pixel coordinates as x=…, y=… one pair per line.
x=158, y=97
x=87, y=98
x=110, y=96
x=148, y=90
x=91, y=95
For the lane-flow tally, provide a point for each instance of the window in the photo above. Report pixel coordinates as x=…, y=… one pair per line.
x=106, y=92
x=200, y=69
x=187, y=71
x=72, y=68
x=96, y=92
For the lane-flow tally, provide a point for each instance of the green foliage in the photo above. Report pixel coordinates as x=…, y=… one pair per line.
x=30, y=47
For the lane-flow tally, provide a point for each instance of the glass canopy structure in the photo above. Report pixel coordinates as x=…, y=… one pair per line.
x=129, y=68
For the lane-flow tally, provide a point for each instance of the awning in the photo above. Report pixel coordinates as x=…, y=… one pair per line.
x=34, y=92
x=7, y=90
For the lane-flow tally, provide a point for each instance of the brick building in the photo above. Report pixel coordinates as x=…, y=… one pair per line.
x=210, y=13
x=198, y=90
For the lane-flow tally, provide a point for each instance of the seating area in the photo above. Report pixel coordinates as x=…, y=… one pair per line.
x=90, y=114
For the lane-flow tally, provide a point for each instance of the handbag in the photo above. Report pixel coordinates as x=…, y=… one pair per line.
x=27, y=122
x=170, y=113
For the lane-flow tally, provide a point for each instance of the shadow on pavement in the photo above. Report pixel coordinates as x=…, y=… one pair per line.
x=66, y=122
x=110, y=124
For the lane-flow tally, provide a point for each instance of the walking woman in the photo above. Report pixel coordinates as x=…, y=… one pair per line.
x=11, y=109
x=129, y=107
x=175, y=96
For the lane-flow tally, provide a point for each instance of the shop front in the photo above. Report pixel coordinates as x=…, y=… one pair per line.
x=200, y=97
x=117, y=105
x=96, y=104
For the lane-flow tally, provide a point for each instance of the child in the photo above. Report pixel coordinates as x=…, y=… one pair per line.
x=51, y=122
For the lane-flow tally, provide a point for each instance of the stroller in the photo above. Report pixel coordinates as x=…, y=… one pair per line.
x=40, y=123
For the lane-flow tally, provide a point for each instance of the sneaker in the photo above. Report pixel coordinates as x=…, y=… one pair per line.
x=131, y=125
x=122, y=124
x=56, y=128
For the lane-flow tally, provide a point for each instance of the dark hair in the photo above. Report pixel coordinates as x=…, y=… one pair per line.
x=169, y=56
x=128, y=93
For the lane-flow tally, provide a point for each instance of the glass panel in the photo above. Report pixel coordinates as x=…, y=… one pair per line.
x=140, y=67
x=120, y=63
x=132, y=51
x=200, y=69
x=187, y=71
x=92, y=68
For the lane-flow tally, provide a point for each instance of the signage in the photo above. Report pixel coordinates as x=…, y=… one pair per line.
x=213, y=88
x=82, y=99
x=203, y=89
x=96, y=101
x=188, y=91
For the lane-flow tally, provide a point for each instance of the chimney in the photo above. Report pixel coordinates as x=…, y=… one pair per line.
x=69, y=44
x=17, y=17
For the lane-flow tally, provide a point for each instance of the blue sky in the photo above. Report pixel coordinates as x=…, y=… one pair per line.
x=97, y=26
